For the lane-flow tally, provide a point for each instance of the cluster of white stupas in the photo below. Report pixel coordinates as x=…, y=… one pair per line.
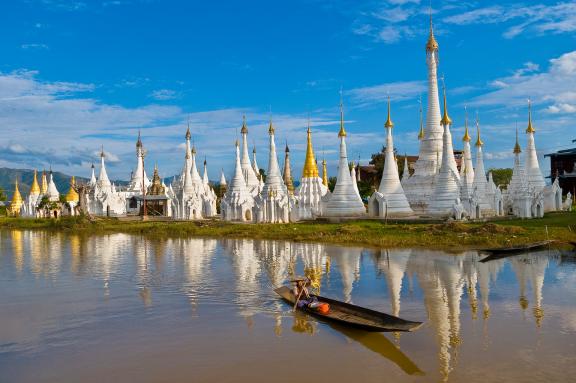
x=188, y=197
x=435, y=189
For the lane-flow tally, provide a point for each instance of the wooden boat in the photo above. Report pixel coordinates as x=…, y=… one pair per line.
x=504, y=252
x=352, y=315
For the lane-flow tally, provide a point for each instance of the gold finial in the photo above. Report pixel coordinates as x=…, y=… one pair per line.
x=35, y=188
x=431, y=44
x=342, y=132
x=193, y=147
x=271, y=127
x=244, y=129
x=237, y=143
x=188, y=134
x=523, y=302
x=517, y=149
x=466, y=137
x=139, y=141
x=389, y=123
x=44, y=185
x=72, y=195
x=446, y=120
x=324, y=173
x=17, y=200
x=310, y=167
x=478, y=140
x=530, y=128
x=421, y=132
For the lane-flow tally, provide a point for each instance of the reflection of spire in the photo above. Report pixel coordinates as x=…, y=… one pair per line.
x=538, y=266
x=393, y=263
x=471, y=282
x=348, y=261
x=17, y=249
x=435, y=301
x=519, y=265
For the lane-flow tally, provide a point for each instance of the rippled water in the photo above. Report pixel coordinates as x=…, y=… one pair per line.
x=122, y=308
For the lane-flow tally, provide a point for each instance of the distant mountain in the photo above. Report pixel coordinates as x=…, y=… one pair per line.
x=25, y=177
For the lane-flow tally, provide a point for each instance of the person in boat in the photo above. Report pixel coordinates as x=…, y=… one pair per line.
x=300, y=289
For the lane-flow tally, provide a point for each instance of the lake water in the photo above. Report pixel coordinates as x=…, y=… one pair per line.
x=121, y=308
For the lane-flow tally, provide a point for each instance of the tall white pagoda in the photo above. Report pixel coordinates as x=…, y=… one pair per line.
x=344, y=201
x=139, y=174
x=420, y=185
x=274, y=202
x=237, y=202
x=250, y=175
x=445, y=200
x=389, y=201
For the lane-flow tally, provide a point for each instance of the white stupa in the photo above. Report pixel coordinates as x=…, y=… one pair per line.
x=517, y=196
x=273, y=204
x=466, y=167
x=390, y=200
x=52, y=192
x=139, y=174
x=533, y=173
x=445, y=200
x=250, y=175
x=482, y=207
x=237, y=202
x=420, y=185
x=344, y=201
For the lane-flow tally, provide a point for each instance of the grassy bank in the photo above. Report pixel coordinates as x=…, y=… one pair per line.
x=560, y=226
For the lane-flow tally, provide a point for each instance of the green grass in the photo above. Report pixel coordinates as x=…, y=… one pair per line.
x=457, y=236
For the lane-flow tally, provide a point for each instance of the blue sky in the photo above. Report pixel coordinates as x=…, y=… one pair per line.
x=75, y=75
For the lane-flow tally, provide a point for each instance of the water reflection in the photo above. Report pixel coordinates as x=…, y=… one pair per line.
x=445, y=290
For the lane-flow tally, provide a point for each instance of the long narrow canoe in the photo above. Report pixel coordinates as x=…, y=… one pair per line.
x=504, y=252
x=352, y=315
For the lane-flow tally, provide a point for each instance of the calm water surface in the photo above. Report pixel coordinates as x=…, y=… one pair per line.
x=122, y=308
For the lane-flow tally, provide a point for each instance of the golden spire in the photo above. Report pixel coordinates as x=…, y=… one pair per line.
x=466, y=137
x=342, y=132
x=446, y=120
x=310, y=167
x=478, y=140
x=44, y=185
x=188, y=135
x=517, y=149
x=421, y=132
x=530, y=128
x=139, y=141
x=244, y=129
x=72, y=195
x=431, y=44
x=16, y=203
x=389, y=123
x=35, y=188
x=324, y=173
x=271, y=127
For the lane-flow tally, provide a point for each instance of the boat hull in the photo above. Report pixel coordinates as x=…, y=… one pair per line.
x=351, y=315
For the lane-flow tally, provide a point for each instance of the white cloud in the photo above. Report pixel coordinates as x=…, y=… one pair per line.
x=554, y=86
x=38, y=47
x=53, y=123
x=379, y=93
x=536, y=18
x=164, y=94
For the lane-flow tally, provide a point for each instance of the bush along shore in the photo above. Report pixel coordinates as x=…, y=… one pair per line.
x=560, y=227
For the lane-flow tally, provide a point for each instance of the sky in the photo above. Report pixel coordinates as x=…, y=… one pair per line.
x=79, y=74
